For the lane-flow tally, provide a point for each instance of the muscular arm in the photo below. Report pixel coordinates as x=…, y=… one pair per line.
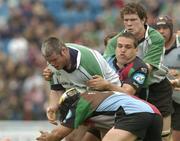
x=54, y=97
x=55, y=93
x=98, y=83
x=53, y=105
x=56, y=134
x=126, y=88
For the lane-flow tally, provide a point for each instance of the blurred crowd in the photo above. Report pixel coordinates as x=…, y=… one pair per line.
x=24, y=24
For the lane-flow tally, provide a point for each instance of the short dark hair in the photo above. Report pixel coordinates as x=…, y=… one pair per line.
x=108, y=37
x=134, y=8
x=50, y=45
x=130, y=36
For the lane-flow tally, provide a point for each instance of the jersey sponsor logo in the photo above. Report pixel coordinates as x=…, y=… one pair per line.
x=139, y=78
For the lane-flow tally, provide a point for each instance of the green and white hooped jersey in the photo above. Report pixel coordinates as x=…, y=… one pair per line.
x=150, y=50
x=89, y=63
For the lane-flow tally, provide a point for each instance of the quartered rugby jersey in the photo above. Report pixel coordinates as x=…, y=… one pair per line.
x=133, y=73
x=76, y=111
x=87, y=63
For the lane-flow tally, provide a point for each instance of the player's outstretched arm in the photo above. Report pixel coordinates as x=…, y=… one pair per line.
x=55, y=135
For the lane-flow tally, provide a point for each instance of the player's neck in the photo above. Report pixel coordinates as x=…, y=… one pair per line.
x=68, y=61
x=141, y=34
x=120, y=66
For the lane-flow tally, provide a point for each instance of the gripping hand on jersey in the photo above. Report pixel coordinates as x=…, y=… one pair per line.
x=98, y=83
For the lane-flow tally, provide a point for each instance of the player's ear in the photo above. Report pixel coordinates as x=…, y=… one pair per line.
x=63, y=51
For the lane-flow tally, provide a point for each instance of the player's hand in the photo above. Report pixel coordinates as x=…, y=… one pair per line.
x=177, y=89
x=47, y=74
x=45, y=136
x=175, y=83
x=51, y=114
x=97, y=83
x=173, y=72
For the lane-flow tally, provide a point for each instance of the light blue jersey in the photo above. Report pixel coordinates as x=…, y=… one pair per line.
x=130, y=104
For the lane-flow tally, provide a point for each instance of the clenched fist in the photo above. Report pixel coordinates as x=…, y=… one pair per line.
x=47, y=74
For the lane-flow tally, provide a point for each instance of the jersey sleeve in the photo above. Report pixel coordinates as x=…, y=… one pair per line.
x=108, y=73
x=77, y=113
x=137, y=78
x=57, y=87
x=155, y=51
x=69, y=120
x=137, y=75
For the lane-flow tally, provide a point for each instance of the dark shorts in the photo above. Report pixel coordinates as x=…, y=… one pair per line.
x=96, y=132
x=160, y=95
x=176, y=116
x=100, y=124
x=145, y=126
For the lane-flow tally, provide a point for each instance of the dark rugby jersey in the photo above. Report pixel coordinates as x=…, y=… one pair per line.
x=134, y=73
